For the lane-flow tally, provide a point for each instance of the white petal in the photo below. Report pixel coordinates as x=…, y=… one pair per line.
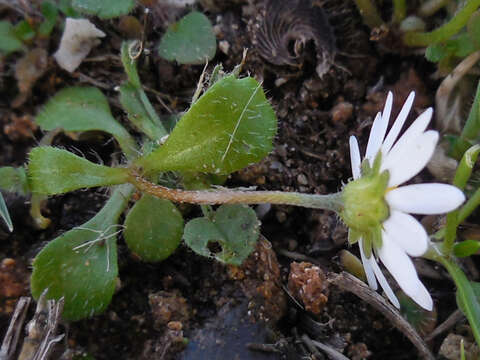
x=377, y=134
x=407, y=232
x=367, y=266
x=417, y=128
x=398, y=124
x=387, y=109
x=407, y=160
x=355, y=157
x=423, y=298
x=401, y=267
x=385, y=285
x=427, y=199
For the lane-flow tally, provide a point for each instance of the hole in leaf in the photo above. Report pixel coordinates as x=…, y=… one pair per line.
x=214, y=247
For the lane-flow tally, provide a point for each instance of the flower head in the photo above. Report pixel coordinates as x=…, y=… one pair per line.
x=377, y=210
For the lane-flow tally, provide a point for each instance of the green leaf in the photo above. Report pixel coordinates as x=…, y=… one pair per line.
x=84, y=109
x=24, y=31
x=466, y=248
x=128, y=56
x=8, y=41
x=104, y=9
x=14, y=180
x=81, y=265
x=135, y=102
x=65, y=6
x=55, y=171
x=462, y=45
x=153, y=228
x=459, y=46
x=139, y=114
x=50, y=14
x=468, y=299
x=471, y=130
x=189, y=41
x=230, y=127
x=473, y=28
x=234, y=227
x=436, y=52
x=4, y=214
x=465, y=168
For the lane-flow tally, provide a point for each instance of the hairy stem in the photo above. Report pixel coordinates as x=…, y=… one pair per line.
x=331, y=202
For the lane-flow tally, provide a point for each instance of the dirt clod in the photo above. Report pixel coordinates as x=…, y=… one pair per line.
x=307, y=283
x=20, y=128
x=168, y=308
x=342, y=112
x=450, y=348
x=358, y=351
x=260, y=281
x=13, y=283
x=28, y=70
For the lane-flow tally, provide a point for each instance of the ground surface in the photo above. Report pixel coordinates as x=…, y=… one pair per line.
x=221, y=309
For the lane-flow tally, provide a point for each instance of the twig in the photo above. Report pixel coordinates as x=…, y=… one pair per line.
x=443, y=116
x=101, y=58
x=156, y=92
x=90, y=80
x=311, y=346
x=10, y=341
x=267, y=348
x=330, y=351
x=454, y=317
x=349, y=283
x=42, y=330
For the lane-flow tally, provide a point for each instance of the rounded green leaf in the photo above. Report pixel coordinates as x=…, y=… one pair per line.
x=234, y=227
x=466, y=248
x=153, y=228
x=81, y=265
x=230, y=127
x=189, y=41
x=84, y=277
x=8, y=41
x=24, y=31
x=55, y=171
x=83, y=109
x=104, y=9
x=50, y=14
x=436, y=52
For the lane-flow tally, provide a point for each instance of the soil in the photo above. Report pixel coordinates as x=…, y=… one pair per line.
x=189, y=307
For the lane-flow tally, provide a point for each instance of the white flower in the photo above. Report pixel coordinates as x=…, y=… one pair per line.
x=402, y=235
